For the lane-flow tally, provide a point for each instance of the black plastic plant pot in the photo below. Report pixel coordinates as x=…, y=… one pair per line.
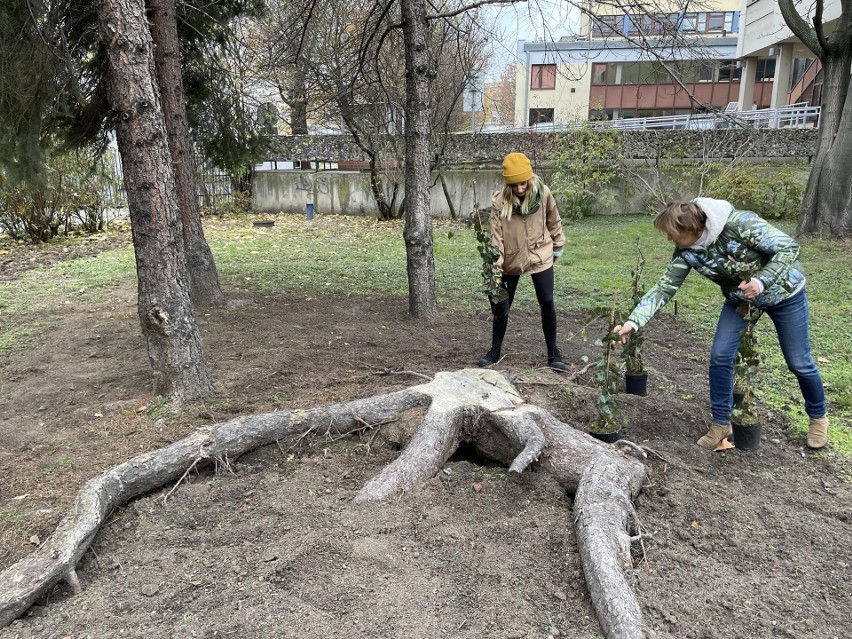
x=607, y=438
x=636, y=383
x=746, y=437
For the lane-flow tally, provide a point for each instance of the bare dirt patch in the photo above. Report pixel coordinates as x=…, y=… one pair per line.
x=744, y=544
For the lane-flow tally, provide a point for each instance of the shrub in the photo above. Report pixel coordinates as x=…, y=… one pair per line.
x=772, y=194
x=235, y=203
x=73, y=193
x=585, y=160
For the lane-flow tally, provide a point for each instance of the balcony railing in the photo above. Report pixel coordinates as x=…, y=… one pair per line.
x=793, y=115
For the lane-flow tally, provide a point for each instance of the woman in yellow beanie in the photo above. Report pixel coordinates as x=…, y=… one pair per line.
x=527, y=229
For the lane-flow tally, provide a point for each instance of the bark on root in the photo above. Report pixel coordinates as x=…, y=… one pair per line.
x=476, y=406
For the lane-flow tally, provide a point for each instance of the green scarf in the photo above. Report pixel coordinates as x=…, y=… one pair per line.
x=534, y=202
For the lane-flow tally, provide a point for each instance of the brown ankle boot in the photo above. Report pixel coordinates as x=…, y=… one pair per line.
x=714, y=436
x=818, y=432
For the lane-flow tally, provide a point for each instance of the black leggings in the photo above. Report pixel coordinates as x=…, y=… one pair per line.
x=543, y=283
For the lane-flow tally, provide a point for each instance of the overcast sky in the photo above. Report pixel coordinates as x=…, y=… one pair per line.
x=531, y=21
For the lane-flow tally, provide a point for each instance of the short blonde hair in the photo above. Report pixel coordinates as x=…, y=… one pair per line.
x=681, y=219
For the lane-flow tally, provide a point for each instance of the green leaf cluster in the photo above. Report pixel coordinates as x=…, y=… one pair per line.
x=748, y=360
x=75, y=191
x=632, y=351
x=490, y=274
x=773, y=194
x=586, y=163
x=607, y=373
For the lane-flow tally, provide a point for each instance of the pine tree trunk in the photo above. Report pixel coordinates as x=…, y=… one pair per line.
x=420, y=71
x=204, y=289
x=165, y=311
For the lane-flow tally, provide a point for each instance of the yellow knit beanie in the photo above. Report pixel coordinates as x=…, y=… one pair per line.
x=516, y=168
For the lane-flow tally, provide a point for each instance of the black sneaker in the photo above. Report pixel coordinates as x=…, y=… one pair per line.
x=491, y=357
x=554, y=360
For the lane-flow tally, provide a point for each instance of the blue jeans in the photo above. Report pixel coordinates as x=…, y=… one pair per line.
x=791, y=323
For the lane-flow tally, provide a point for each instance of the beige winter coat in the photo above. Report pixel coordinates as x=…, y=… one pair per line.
x=527, y=243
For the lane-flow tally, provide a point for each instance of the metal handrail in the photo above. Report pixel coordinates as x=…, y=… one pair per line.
x=793, y=115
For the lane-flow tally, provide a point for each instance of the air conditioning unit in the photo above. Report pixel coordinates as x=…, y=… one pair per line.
x=774, y=51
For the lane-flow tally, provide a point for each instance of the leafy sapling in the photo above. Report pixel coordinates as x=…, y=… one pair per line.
x=491, y=275
x=607, y=371
x=632, y=351
x=748, y=360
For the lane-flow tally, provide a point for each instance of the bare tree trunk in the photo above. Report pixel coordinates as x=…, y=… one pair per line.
x=204, y=288
x=420, y=71
x=165, y=311
x=449, y=198
x=826, y=209
x=296, y=100
x=386, y=209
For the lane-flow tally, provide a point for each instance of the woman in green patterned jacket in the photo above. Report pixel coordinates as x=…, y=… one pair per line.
x=751, y=261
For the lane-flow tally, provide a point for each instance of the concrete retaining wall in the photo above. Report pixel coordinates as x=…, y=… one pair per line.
x=475, y=165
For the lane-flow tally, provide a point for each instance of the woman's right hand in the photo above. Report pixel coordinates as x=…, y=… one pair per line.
x=623, y=331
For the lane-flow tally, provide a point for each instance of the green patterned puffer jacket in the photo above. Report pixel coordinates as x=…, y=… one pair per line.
x=745, y=238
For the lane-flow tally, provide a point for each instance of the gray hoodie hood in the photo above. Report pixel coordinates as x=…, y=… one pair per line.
x=717, y=212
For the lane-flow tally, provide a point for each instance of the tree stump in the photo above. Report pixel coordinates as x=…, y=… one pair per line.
x=476, y=406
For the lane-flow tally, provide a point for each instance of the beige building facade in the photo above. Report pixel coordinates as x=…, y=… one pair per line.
x=731, y=52
x=765, y=35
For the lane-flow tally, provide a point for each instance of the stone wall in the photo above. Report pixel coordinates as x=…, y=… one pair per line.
x=474, y=166
x=489, y=148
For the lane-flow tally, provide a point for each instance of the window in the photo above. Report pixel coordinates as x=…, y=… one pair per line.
x=541, y=116
x=607, y=25
x=601, y=114
x=708, y=22
x=630, y=73
x=765, y=70
x=603, y=73
x=728, y=71
x=633, y=23
x=543, y=76
x=716, y=21
x=651, y=24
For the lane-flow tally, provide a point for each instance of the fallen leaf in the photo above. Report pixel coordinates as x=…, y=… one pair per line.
x=695, y=525
x=477, y=487
x=823, y=360
x=35, y=540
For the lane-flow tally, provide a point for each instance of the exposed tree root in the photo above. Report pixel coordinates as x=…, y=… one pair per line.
x=477, y=406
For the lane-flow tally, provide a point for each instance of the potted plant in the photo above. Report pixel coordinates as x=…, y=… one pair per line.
x=606, y=427
x=744, y=423
x=635, y=375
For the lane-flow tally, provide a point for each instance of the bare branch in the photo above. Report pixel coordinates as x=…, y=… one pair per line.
x=470, y=7
x=801, y=29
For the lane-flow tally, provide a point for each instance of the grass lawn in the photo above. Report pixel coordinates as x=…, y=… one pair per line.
x=337, y=256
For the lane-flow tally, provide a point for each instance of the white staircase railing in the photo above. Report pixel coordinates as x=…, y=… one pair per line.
x=793, y=115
